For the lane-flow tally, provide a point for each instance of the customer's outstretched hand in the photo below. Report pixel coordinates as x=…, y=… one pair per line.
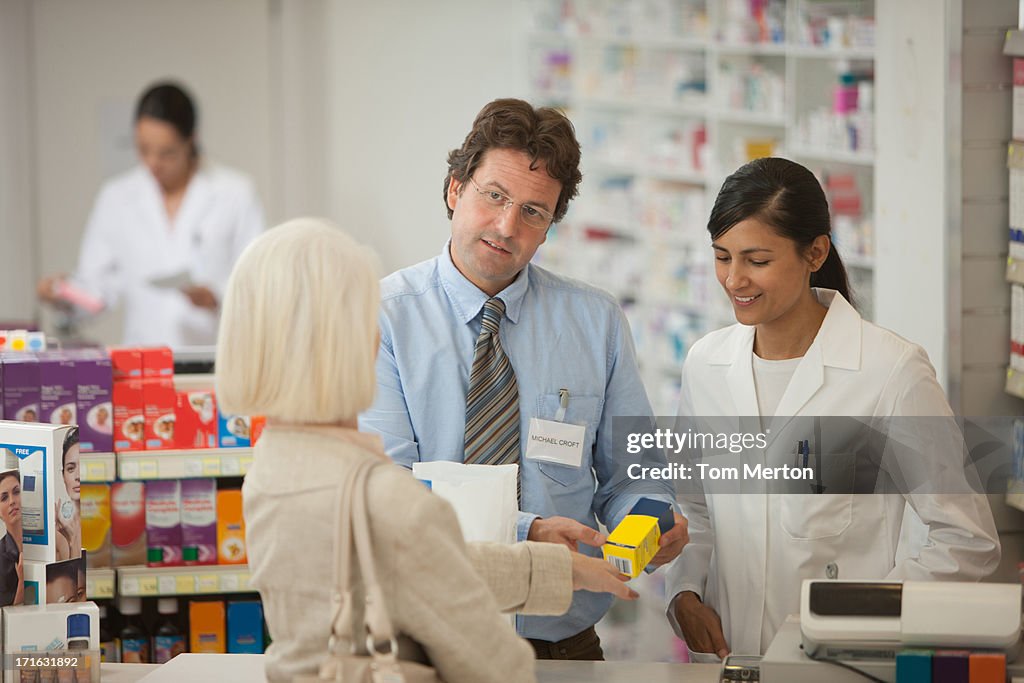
x=599, y=576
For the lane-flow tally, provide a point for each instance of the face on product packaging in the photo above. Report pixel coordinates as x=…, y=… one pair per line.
x=72, y=474
x=490, y=245
x=10, y=501
x=764, y=274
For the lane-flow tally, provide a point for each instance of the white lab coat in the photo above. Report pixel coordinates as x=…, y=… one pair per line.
x=748, y=553
x=129, y=242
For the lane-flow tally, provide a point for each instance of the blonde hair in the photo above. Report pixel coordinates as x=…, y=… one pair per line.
x=298, y=328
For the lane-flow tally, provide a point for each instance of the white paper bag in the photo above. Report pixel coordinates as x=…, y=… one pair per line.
x=484, y=497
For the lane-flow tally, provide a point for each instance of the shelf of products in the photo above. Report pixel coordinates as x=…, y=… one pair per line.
x=668, y=98
x=100, y=583
x=98, y=468
x=183, y=464
x=173, y=581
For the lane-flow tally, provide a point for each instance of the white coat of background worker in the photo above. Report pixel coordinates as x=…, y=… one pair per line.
x=163, y=236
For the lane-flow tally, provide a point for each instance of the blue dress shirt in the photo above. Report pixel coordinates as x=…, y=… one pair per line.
x=558, y=334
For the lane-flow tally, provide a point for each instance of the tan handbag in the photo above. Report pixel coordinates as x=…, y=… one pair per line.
x=382, y=662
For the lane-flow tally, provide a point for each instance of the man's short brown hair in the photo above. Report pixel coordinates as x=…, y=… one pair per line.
x=544, y=133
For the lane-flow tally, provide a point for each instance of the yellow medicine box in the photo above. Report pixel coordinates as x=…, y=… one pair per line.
x=633, y=544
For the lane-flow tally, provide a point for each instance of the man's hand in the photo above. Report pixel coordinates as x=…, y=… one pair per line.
x=568, y=532
x=599, y=576
x=672, y=542
x=201, y=297
x=701, y=626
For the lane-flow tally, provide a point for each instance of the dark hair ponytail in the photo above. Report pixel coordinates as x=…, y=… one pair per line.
x=786, y=196
x=170, y=103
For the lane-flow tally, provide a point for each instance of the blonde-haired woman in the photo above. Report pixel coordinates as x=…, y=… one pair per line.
x=297, y=343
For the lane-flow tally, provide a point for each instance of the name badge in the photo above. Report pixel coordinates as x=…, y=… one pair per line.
x=555, y=442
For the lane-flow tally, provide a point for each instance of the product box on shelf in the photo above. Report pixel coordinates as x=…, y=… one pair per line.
x=71, y=630
x=199, y=521
x=125, y=362
x=163, y=523
x=21, y=387
x=234, y=431
x=55, y=582
x=95, y=408
x=58, y=389
x=157, y=362
x=159, y=399
x=206, y=626
x=47, y=457
x=96, y=524
x=10, y=534
x=128, y=523
x=195, y=419
x=230, y=528
x=129, y=416
x=257, y=424
x=245, y=627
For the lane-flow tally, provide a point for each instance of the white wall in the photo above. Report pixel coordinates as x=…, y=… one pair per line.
x=17, y=243
x=90, y=62
x=408, y=78
x=910, y=180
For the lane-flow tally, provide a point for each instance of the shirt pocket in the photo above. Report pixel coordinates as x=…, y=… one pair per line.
x=822, y=515
x=582, y=410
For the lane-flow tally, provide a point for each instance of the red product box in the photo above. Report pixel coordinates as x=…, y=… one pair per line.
x=129, y=415
x=125, y=362
x=157, y=362
x=159, y=400
x=195, y=419
x=256, y=428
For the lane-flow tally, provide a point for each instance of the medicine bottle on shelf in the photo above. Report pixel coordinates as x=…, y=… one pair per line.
x=133, y=637
x=168, y=641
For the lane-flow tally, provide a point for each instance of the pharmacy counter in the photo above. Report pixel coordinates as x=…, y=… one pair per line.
x=244, y=668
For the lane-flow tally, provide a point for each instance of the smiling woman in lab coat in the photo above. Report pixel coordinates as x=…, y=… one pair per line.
x=801, y=349
x=162, y=238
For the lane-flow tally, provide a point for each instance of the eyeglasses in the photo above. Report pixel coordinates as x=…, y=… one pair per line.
x=534, y=217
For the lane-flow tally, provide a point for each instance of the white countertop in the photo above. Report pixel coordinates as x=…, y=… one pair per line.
x=197, y=668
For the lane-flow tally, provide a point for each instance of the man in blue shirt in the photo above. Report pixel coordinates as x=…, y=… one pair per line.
x=487, y=358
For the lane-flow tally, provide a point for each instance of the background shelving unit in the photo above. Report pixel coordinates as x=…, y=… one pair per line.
x=175, y=581
x=670, y=96
x=183, y=464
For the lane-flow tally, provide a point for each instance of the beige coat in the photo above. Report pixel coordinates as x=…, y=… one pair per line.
x=440, y=591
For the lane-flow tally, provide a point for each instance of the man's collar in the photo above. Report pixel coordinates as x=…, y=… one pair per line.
x=468, y=299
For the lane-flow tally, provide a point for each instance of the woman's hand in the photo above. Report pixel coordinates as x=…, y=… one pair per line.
x=46, y=288
x=701, y=626
x=201, y=297
x=599, y=576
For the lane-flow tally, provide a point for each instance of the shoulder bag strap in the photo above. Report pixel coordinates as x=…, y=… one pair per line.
x=341, y=595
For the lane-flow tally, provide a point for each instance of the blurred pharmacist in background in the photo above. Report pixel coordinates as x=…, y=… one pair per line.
x=297, y=343
x=11, y=572
x=801, y=349
x=478, y=341
x=163, y=236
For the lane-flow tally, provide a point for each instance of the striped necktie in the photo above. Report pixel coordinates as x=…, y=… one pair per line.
x=492, y=401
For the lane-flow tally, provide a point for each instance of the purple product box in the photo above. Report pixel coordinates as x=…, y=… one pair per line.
x=163, y=523
x=94, y=379
x=21, y=386
x=58, y=388
x=199, y=521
